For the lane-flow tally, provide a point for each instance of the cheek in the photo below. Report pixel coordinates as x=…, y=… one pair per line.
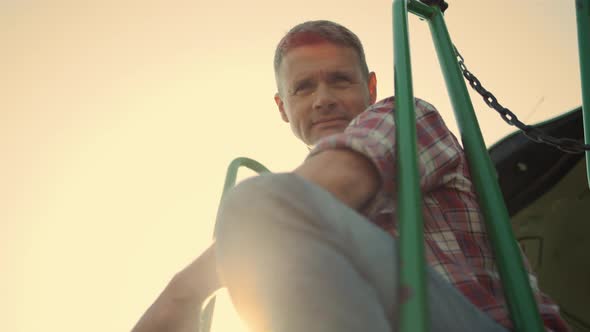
x=358, y=104
x=298, y=119
x=300, y=111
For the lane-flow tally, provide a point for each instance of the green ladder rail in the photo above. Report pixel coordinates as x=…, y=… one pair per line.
x=583, y=24
x=409, y=207
x=414, y=318
x=518, y=292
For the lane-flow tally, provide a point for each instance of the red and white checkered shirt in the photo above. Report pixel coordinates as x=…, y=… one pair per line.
x=456, y=242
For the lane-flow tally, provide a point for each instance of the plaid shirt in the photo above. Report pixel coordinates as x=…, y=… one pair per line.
x=456, y=242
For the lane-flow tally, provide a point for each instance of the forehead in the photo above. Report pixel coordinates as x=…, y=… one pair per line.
x=319, y=58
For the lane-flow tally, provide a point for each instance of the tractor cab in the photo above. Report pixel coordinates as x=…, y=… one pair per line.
x=547, y=197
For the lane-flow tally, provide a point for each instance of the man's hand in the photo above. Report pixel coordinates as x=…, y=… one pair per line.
x=177, y=308
x=348, y=175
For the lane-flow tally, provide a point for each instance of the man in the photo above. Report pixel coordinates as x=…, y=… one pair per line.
x=315, y=249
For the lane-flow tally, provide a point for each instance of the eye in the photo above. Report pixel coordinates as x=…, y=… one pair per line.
x=341, y=80
x=302, y=88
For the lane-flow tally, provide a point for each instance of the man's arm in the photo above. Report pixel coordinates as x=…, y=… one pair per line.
x=177, y=308
x=348, y=175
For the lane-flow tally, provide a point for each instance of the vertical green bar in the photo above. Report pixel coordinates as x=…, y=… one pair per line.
x=522, y=305
x=414, y=316
x=583, y=19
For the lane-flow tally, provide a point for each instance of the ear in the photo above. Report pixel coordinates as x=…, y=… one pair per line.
x=372, y=85
x=281, y=106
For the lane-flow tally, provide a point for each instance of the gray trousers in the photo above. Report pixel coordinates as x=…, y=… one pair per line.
x=296, y=259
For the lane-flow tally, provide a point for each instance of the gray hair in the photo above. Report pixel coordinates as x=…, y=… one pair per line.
x=313, y=32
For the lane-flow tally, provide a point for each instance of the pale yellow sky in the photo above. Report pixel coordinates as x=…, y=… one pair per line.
x=118, y=120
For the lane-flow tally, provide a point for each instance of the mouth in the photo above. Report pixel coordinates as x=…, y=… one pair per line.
x=336, y=122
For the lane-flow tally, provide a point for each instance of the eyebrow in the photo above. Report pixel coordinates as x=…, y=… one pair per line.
x=340, y=73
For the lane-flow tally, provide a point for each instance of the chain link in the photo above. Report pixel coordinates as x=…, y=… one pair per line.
x=567, y=145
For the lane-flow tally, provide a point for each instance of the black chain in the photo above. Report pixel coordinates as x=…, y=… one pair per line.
x=567, y=145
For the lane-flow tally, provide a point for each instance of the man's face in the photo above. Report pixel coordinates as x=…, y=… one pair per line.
x=321, y=89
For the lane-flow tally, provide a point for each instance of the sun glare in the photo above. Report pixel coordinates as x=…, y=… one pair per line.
x=225, y=317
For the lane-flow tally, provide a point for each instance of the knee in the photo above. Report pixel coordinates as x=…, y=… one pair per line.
x=241, y=209
x=258, y=200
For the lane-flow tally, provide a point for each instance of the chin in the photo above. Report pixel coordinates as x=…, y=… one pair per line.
x=326, y=133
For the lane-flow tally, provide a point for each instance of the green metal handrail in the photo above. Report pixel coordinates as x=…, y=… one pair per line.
x=521, y=303
x=514, y=277
x=583, y=24
x=232, y=171
x=409, y=211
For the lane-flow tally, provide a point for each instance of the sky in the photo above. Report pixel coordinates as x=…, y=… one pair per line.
x=118, y=120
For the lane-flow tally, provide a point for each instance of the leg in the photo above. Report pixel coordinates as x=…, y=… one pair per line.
x=292, y=263
x=295, y=259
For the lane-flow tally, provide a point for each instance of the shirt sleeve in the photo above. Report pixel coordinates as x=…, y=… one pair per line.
x=372, y=133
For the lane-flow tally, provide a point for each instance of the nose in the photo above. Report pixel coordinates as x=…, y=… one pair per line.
x=324, y=98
